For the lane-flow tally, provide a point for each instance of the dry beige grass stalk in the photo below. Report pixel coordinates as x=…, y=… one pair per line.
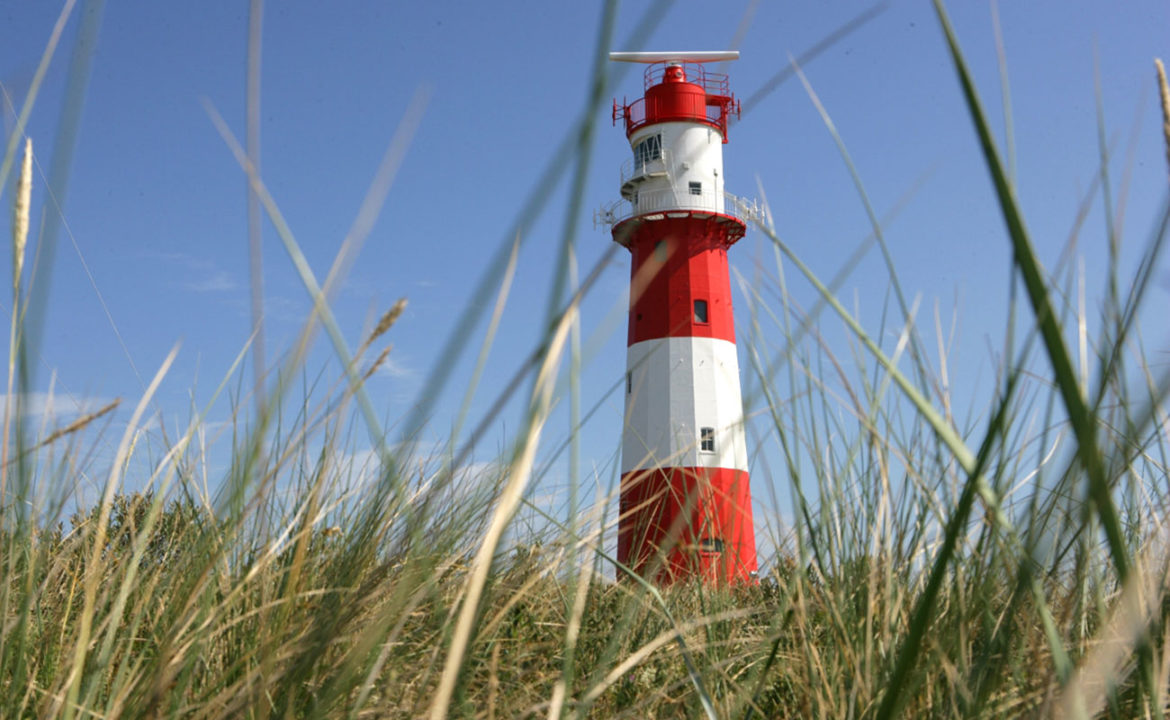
x=1164, y=91
x=1103, y=667
x=79, y=423
x=509, y=500
x=377, y=363
x=20, y=215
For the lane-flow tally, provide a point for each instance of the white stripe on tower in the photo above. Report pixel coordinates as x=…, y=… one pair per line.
x=692, y=383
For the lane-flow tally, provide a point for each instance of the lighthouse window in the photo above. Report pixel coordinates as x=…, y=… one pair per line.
x=707, y=439
x=629, y=384
x=660, y=251
x=701, y=311
x=696, y=188
x=647, y=150
x=711, y=545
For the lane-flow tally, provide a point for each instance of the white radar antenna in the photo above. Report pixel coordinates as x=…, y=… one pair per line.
x=694, y=56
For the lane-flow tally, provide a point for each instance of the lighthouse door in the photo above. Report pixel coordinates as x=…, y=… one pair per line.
x=711, y=558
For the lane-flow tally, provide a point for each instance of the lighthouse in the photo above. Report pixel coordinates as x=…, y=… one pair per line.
x=685, y=504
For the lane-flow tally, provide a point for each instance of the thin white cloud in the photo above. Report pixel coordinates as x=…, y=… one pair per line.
x=395, y=368
x=53, y=405
x=203, y=275
x=283, y=309
x=219, y=281
x=182, y=259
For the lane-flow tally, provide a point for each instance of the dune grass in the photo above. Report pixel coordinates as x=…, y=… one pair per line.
x=1012, y=565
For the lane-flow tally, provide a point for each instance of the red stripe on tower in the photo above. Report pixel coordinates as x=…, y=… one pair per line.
x=685, y=495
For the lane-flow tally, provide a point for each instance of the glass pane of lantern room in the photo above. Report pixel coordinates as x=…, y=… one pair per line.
x=647, y=150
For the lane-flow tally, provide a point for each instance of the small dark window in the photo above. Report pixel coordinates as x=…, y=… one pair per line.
x=629, y=384
x=711, y=545
x=707, y=439
x=701, y=311
x=696, y=188
x=660, y=251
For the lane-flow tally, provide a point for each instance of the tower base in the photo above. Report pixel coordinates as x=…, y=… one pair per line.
x=678, y=523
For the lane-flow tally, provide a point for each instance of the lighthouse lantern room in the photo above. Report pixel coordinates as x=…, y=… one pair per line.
x=685, y=507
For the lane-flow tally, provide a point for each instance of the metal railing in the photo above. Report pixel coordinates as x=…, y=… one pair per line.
x=713, y=83
x=665, y=201
x=639, y=112
x=634, y=168
x=720, y=103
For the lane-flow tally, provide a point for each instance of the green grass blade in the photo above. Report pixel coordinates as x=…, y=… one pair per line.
x=34, y=88
x=899, y=682
x=649, y=588
x=1064, y=375
x=874, y=223
x=308, y=278
x=945, y=432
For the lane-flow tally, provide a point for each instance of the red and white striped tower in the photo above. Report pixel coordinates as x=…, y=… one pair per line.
x=685, y=499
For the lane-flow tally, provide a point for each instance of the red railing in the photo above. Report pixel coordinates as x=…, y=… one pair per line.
x=712, y=83
x=636, y=116
x=720, y=102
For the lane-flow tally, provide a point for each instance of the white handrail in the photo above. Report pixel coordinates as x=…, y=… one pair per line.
x=632, y=168
x=664, y=201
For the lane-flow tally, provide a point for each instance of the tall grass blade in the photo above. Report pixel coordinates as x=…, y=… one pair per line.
x=255, y=218
x=510, y=499
x=1164, y=96
x=33, y=90
x=649, y=588
x=837, y=35
x=308, y=279
x=76, y=680
x=64, y=144
x=899, y=682
x=875, y=224
x=1064, y=375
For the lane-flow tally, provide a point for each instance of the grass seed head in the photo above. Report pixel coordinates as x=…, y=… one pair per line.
x=377, y=363
x=81, y=422
x=20, y=213
x=384, y=324
x=387, y=321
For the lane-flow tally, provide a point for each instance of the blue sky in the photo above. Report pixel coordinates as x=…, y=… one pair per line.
x=156, y=202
